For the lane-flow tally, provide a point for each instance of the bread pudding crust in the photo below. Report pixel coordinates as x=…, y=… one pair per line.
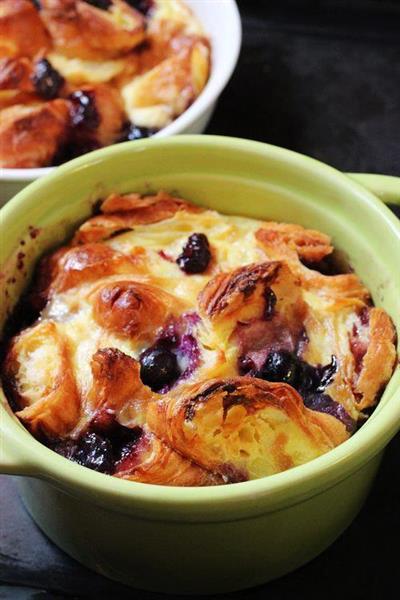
x=250, y=367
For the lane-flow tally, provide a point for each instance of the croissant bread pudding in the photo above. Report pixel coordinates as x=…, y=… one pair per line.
x=76, y=75
x=170, y=344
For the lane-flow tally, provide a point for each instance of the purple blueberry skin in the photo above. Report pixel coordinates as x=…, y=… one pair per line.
x=189, y=349
x=131, y=132
x=92, y=451
x=186, y=347
x=158, y=367
x=195, y=255
x=246, y=366
x=281, y=366
x=287, y=367
x=191, y=320
x=84, y=112
x=325, y=404
x=178, y=340
x=46, y=80
x=309, y=381
x=100, y=451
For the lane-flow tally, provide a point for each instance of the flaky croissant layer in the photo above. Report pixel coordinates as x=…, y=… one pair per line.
x=173, y=345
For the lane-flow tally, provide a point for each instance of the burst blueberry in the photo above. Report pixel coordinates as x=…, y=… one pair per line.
x=280, y=366
x=95, y=452
x=46, y=80
x=83, y=110
x=325, y=404
x=123, y=440
x=195, y=255
x=92, y=451
x=287, y=367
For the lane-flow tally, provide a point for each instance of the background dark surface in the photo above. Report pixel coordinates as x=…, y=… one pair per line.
x=322, y=78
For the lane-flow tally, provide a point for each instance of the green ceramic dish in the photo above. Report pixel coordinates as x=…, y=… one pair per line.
x=205, y=540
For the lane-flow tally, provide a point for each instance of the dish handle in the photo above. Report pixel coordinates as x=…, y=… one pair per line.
x=385, y=187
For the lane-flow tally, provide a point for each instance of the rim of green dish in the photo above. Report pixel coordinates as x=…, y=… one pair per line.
x=287, y=487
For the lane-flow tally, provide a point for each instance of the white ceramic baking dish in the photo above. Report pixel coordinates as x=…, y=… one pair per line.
x=221, y=21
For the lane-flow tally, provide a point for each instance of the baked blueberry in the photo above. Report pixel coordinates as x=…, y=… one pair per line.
x=133, y=132
x=287, y=367
x=195, y=254
x=123, y=440
x=280, y=366
x=143, y=6
x=92, y=451
x=46, y=79
x=83, y=111
x=158, y=367
x=308, y=378
x=103, y=4
x=95, y=452
x=245, y=365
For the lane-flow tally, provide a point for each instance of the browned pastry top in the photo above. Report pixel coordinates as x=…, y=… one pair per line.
x=176, y=345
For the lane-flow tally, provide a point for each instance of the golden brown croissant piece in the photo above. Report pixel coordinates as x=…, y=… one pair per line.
x=153, y=461
x=373, y=347
x=79, y=29
x=292, y=243
x=310, y=245
x=31, y=135
x=158, y=96
x=88, y=262
x=38, y=369
x=244, y=428
x=261, y=303
x=231, y=293
x=22, y=32
x=165, y=38
x=16, y=85
x=133, y=309
x=124, y=211
x=104, y=125
x=116, y=387
x=118, y=393
x=68, y=267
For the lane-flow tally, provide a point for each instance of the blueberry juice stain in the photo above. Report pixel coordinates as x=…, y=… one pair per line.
x=173, y=357
x=100, y=450
x=310, y=381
